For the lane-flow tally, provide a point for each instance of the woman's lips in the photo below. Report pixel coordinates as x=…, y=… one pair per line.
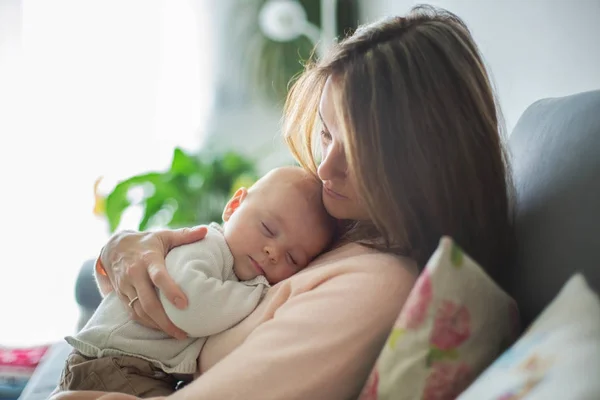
x=334, y=194
x=256, y=266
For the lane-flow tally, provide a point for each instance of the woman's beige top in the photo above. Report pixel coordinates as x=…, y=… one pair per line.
x=314, y=336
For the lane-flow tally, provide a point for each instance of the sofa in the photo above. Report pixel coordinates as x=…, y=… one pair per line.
x=555, y=151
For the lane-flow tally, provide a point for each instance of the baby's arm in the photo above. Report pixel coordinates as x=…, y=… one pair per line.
x=214, y=304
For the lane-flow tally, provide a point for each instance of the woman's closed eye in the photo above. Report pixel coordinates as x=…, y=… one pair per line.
x=325, y=136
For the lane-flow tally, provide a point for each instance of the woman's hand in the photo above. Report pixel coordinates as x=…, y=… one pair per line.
x=91, y=395
x=135, y=264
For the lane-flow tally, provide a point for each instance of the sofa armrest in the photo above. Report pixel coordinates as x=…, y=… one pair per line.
x=87, y=294
x=45, y=377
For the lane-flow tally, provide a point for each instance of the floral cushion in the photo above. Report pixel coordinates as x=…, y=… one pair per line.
x=16, y=367
x=557, y=358
x=455, y=322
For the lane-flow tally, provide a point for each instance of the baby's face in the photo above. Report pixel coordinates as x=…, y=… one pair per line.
x=276, y=233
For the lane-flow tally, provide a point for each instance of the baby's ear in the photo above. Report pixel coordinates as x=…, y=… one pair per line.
x=234, y=203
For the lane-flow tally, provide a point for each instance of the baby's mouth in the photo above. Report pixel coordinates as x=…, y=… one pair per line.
x=256, y=266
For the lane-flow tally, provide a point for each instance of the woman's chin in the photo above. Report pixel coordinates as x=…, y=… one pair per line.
x=342, y=209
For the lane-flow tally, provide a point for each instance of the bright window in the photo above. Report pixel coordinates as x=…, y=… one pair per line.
x=98, y=88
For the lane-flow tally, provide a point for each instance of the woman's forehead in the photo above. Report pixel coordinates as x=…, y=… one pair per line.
x=327, y=104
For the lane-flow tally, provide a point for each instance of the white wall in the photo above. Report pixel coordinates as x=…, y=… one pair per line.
x=533, y=48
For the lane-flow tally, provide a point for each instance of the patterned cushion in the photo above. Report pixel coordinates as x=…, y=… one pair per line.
x=455, y=322
x=16, y=367
x=557, y=358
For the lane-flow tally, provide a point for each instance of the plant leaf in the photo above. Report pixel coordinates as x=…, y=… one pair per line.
x=117, y=201
x=183, y=164
x=196, y=185
x=153, y=205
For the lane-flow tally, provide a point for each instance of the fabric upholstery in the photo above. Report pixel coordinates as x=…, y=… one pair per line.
x=556, y=165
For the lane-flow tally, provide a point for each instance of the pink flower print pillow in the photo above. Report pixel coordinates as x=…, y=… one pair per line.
x=455, y=322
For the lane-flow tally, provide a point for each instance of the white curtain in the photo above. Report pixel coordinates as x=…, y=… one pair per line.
x=88, y=88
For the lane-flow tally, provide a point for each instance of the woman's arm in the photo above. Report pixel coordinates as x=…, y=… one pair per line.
x=320, y=344
x=93, y=395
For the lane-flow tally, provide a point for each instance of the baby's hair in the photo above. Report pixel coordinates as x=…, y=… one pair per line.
x=307, y=184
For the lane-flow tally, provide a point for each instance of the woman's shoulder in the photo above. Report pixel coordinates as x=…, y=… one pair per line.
x=364, y=278
x=365, y=266
x=354, y=255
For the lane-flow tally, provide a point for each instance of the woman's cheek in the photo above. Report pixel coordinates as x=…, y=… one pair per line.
x=324, y=150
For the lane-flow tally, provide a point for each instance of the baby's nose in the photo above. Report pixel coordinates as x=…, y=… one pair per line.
x=272, y=253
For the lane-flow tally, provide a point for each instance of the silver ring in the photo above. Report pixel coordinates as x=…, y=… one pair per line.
x=136, y=298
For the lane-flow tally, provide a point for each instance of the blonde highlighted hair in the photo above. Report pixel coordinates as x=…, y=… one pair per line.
x=423, y=136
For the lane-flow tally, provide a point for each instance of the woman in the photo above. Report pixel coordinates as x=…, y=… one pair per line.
x=410, y=151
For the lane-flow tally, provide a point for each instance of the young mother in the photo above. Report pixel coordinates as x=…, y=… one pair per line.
x=407, y=125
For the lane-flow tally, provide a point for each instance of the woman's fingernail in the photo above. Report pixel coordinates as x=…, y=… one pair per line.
x=178, y=301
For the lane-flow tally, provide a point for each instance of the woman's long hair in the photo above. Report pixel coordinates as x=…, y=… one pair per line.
x=423, y=136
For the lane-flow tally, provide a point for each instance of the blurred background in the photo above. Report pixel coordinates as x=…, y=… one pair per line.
x=141, y=114
x=132, y=114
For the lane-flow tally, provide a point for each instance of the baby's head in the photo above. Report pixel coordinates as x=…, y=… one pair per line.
x=278, y=226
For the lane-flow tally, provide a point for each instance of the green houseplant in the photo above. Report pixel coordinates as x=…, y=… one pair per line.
x=192, y=191
x=196, y=187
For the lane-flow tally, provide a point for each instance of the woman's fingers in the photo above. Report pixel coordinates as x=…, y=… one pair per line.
x=127, y=293
x=135, y=264
x=139, y=315
x=143, y=309
x=162, y=280
x=154, y=310
x=156, y=263
x=126, y=271
x=145, y=295
x=182, y=236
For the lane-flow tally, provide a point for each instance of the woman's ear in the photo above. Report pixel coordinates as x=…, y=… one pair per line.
x=234, y=203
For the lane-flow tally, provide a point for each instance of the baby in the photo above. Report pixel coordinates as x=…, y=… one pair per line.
x=270, y=232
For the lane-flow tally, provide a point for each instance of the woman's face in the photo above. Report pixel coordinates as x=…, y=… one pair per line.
x=340, y=194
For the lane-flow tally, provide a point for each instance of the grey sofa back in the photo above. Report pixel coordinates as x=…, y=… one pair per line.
x=555, y=151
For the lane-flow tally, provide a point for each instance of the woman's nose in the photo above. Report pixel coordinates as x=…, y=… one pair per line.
x=333, y=165
x=271, y=253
